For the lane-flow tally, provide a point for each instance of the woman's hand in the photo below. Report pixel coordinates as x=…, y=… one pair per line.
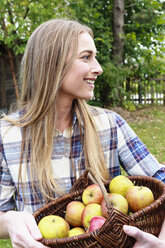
x=143, y=239
x=23, y=230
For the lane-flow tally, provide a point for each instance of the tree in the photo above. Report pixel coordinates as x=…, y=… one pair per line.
x=130, y=46
x=118, y=31
x=126, y=52
x=19, y=18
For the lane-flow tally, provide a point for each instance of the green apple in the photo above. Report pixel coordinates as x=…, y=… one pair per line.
x=92, y=194
x=117, y=201
x=76, y=231
x=53, y=226
x=139, y=197
x=120, y=185
x=73, y=213
x=90, y=211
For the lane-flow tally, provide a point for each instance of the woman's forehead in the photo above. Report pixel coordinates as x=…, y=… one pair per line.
x=86, y=43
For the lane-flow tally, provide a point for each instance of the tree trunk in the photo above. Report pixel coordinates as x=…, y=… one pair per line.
x=3, y=102
x=11, y=62
x=118, y=31
x=13, y=73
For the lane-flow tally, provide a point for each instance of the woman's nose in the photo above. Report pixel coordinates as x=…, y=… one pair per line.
x=96, y=68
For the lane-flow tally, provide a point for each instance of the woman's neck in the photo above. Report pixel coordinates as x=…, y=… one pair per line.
x=64, y=116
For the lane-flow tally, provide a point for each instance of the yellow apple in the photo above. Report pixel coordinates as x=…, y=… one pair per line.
x=117, y=201
x=53, y=226
x=120, y=185
x=139, y=197
x=92, y=194
x=73, y=213
x=90, y=211
x=76, y=231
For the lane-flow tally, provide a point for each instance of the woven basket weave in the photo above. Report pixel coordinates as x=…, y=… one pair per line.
x=110, y=234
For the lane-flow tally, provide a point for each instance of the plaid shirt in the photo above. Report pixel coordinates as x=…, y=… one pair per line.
x=120, y=145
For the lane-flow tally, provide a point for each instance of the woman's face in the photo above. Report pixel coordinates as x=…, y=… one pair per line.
x=79, y=81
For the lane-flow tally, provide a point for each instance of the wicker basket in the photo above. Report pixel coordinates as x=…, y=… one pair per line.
x=110, y=234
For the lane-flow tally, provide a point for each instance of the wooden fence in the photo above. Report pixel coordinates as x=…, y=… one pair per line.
x=147, y=92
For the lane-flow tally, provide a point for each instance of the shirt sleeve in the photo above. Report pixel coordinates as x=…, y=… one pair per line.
x=160, y=174
x=134, y=156
x=7, y=187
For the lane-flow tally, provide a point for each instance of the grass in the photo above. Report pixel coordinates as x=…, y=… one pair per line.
x=149, y=125
x=5, y=243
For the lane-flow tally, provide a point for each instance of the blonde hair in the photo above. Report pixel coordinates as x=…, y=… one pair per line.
x=42, y=70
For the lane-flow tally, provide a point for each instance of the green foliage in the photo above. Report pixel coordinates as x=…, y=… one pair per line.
x=22, y=17
x=143, y=45
x=127, y=104
x=144, y=34
x=111, y=90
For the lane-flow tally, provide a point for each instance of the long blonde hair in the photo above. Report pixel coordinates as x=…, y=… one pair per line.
x=42, y=71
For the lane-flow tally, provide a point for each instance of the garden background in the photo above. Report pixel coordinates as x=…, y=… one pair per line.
x=129, y=35
x=130, y=38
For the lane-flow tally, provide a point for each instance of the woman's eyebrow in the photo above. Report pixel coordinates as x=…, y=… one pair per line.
x=88, y=51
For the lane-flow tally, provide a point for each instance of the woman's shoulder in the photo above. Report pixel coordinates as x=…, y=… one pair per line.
x=98, y=110
x=106, y=117
x=108, y=113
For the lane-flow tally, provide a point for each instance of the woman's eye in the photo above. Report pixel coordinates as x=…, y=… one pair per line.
x=86, y=57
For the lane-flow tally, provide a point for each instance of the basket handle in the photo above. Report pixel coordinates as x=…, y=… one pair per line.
x=96, y=179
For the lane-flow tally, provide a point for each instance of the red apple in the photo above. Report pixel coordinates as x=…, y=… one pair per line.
x=139, y=197
x=117, y=201
x=73, y=213
x=92, y=194
x=90, y=211
x=96, y=222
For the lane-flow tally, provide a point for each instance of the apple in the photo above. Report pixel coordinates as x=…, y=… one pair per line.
x=92, y=194
x=76, y=231
x=53, y=226
x=120, y=185
x=139, y=197
x=73, y=213
x=96, y=222
x=117, y=201
x=90, y=211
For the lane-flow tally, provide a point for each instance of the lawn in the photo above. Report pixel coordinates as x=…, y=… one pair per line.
x=5, y=243
x=149, y=124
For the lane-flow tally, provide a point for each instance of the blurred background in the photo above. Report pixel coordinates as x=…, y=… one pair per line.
x=129, y=35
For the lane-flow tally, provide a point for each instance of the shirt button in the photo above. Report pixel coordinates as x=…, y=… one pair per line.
x=66, y=180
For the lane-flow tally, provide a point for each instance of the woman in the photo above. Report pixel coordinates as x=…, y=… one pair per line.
x=54, y=135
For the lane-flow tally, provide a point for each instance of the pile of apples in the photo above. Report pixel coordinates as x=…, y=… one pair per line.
x=90, y=213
